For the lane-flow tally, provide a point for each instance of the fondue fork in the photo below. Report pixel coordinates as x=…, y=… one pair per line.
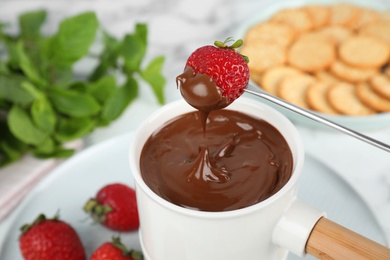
x=262, y=94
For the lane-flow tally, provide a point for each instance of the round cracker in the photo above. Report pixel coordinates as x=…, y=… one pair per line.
x=385, y=15
x=336, y=33
x=297, y=18
x=371, y=99
x=342, y=97
x=351, y=74
x=380, y=30
x=311, y=54
x=344, y=14
x=316, y=97
x=326, y=76
x=273, y=76
x=367, y=16
x=276, y=33
x=318, y=14
x=381, y=84
x=263, y=56
x=364, y=51
x=293, y=89
x=256, y=77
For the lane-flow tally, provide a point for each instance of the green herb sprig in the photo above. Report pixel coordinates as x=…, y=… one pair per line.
x=44, y=105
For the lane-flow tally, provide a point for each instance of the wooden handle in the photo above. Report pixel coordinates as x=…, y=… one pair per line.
x=329, y=240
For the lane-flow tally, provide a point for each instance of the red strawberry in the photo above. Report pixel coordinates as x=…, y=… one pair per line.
x=115, y=206
x=50, y=239
x=115, y=250
x=226, y=67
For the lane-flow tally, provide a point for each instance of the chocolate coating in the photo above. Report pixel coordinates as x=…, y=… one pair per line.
x=200, y=91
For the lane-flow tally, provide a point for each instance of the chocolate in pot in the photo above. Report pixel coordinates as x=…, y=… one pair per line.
x=239, y=161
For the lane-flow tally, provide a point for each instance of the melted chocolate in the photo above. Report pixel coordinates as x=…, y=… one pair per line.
x=201, y=92
x=238, y=162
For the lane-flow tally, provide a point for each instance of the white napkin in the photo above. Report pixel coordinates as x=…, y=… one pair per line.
x=18, y=178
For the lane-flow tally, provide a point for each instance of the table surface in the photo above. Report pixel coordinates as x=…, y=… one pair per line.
x=178, y=27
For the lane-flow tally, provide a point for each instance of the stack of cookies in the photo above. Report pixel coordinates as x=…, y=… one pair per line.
x=333, y=59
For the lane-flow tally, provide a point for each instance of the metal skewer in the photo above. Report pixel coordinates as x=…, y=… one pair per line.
x=258, y=92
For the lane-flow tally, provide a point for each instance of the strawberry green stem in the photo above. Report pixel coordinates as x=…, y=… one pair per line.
x=97, y=210
x=237, y=44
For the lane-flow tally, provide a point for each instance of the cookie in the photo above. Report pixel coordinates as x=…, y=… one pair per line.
x=333, y=44
x=371, y=99
x=316, y=97
x=311, y=54
x=342, y=97
x=381, y=84
x=293, y=89
x=273, y=76
x=263, y=56
x=344, y=14
x=295, y=17
x=276, y=33
x=380, y=30
x=326, y=76
x=316, y=36
x=364, y=52
x=256, y=77
x=385, y=15
x=336, y=33
x=367, y=16
x=351, y=74
x=318, y=14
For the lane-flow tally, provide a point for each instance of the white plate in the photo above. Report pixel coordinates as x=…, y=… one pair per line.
x=355, y=122
x=72, y=183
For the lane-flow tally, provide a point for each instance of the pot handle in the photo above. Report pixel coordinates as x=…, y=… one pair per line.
x=329, y=240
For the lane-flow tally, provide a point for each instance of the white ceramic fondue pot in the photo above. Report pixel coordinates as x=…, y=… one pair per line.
x=267, y=230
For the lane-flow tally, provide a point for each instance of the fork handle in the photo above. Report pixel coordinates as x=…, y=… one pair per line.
x=329, y=240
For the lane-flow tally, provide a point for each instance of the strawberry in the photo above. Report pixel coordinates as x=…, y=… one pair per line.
x=50, y=239
x=224, y=65
x=115, y=250
x=114, y=206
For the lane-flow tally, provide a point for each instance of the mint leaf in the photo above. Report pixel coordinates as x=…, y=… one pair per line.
x=59, y=152
x=73, y=103
x=72, y=41
x=134, y=48
x=120, y=99
x=48, y=146
x=26, y=65
x=43, y=103
x=3, y=68
x=72, y=128
x=42, y=112
x=108, y=57
x=103, y=89
x=153, y=75
x=22, y=127
x=8, y=153
x=13, y=57
x=141, y=31
x=43, y=115
x=11, y=148
x=11, y=90
x=30, y=24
